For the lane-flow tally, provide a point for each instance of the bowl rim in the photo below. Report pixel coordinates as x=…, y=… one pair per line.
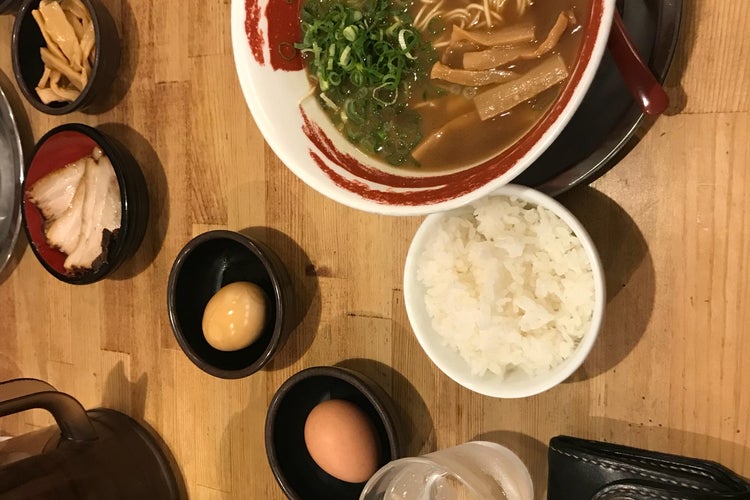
x=110, y=150
x=22, y=16
x=258, y=250
x=245, y=64
x=428, y=339
x=364, y=384
x=12, y=134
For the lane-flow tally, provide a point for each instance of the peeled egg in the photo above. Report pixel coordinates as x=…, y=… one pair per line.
x=341, y=439
x=235, y=316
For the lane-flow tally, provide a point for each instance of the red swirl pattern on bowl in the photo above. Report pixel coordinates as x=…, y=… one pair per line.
x=284, y=31
x=387, y=187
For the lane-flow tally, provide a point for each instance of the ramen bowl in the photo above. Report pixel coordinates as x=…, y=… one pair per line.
x=275, y=84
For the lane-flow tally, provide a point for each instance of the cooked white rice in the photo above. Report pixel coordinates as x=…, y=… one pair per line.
x=508, y=285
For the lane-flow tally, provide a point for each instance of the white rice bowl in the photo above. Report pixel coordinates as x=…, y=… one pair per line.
x=506, y=295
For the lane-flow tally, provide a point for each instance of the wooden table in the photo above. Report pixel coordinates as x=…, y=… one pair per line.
x=672, y=222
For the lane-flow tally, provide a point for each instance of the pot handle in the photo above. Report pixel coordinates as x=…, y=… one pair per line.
x=28, y=394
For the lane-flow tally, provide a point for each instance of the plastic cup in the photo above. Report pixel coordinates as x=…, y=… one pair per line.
x=477, y=470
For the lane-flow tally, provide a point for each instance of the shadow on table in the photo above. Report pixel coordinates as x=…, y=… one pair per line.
x=686, y=42
x=123, y=395
x=127, y=23
x=629, y=271
x=414, y=420
x=531, y=451
x=130, y=398
x=9, y=369
x=158, y=197
x=16, y=255
x=306, y=302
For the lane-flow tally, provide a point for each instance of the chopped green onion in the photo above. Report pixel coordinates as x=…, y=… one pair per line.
x=334, y=79
x=350, y=33
x=365, y=56
x=385, y=94
x=344, y=59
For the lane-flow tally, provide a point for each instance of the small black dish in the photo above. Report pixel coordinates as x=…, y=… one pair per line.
x=206, y=264
x=8, y=6
x=66, y=144
x=28, y=66
x=295, y=470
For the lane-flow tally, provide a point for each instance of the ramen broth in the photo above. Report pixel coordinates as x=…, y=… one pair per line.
x=476, y=140
x=423, y=103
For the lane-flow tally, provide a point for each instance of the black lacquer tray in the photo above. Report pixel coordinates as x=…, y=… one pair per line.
x=608, y=124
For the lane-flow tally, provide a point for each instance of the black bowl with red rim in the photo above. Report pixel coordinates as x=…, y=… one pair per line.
x=64, y=145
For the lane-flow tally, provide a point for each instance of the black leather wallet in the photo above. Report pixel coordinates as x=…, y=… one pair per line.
x=584, y=470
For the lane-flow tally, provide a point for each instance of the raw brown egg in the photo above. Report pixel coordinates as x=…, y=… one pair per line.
x=341, y=439
x=235, y=316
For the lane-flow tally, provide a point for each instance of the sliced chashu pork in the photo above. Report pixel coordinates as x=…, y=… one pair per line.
x=81, y=207
x=64, y=232
x=53, y=193
x=112, y=216
x=101, y=212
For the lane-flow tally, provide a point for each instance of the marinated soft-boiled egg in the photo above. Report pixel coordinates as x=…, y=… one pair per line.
x=342, y=440
x=235, y=316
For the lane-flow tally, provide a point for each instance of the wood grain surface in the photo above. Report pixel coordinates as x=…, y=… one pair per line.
x=669, y=372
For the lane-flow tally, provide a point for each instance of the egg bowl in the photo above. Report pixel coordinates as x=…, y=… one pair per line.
x=56, y=149
x=515, y=383
x=209, y=262
x=294, y=469
x=28, y=66
x=275, y=85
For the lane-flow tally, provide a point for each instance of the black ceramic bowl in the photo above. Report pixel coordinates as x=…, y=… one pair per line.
x=295, y=471
x=66, y=144
x=9, y=6
x=206, y=264
x=28, y=66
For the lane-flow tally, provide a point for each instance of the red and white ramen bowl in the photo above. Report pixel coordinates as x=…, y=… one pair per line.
x=274, y=82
